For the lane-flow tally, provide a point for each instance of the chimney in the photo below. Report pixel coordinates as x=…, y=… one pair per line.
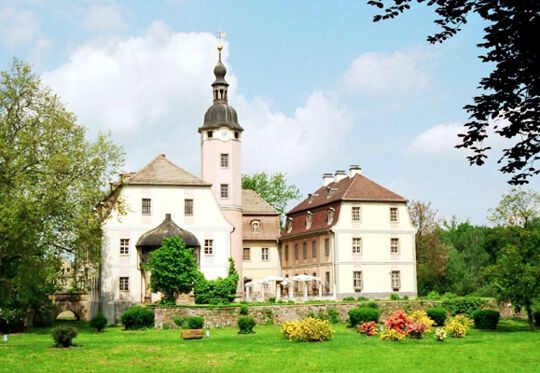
x=354, y=170
x=339, y=175
x=327, y=179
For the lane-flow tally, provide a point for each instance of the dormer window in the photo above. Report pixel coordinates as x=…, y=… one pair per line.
x=289, y=225
x=236, y=135
x=309, y=219
x=330, y=217
x=210, y=134
x=255, y=226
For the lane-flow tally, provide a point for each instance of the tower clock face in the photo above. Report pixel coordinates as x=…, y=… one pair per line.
x=223, y=134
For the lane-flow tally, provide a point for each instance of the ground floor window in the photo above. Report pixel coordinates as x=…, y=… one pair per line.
x=124, y=283
x=357, y=280
x=265, y=255
x=246, y=254
x=396, y=280
x=208, y=247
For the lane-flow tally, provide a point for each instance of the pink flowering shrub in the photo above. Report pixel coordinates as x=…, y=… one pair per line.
x=416, y=330
x=399, y=322
x=369, y=328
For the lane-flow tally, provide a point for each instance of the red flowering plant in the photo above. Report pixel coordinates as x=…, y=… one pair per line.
x=416, y=329
x=399, y=322
x=369, y=328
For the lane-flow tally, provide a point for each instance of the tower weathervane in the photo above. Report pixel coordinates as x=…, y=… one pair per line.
x=220, y=35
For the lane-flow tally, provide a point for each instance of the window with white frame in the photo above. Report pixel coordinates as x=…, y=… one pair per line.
x=394, y=246
x=394, y=214
x=265, y=254
x=396, y=280
x=124, y=283
x=356, y=214
x=357, y=245
x=314, y=248
x=224, y=191
x=188, y=207
x=208, y=247
x=326, y=247
x=357, y=280
x=124, y=246
x=146, y=207
x=255, y=226
x=246, y=254
x=224, y=160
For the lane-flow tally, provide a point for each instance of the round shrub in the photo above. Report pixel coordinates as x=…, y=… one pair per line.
x=363, y=314
x=307, y=330
x=195, y=322
x=181, y=322
x=137, y=317
x=243, y=310
x=348, y=299
x=246, y=325
x=63, y=335
x=98, y=322
x=438, y=314
x=458, y=326
x=486, y=319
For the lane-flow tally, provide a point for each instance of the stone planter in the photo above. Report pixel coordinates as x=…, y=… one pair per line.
x=192, y=334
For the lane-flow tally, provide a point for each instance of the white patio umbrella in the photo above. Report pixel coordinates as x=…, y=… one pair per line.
x=276, y=279
x=248, y=286
x=305, y=279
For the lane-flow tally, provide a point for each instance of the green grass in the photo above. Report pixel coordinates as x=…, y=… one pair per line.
x=512, y=348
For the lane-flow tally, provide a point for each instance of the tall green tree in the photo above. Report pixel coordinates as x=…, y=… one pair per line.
x=273, y=188
x=517, y=208
x=173, y=269
x=51, y=179
x=511, y=92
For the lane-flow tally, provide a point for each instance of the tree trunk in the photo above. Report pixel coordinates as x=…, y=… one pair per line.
x=530, y=317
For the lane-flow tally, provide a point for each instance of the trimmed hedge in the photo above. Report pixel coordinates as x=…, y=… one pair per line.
x=438, y=314
x=98, y=322
x=486, y=319
x=363, y=314
x=137, y=317
x=195, y=322
x=246, y=325
x=63, y=336
x=464, y=305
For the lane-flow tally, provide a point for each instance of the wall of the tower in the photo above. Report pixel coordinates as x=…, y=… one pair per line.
x=226, y=179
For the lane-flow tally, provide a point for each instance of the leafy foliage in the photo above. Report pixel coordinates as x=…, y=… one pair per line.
x=370, y=328
x=421, y=317
x=307, y=330
x=458, y=326
x=511, y=101
x=98, y=322
x=464, y=305
x=195, y=322
x=246, y=325
x=391, y=335
x=398, y=321
x=63, y=336
x=363, y=314
x=218, y=291
x=137, y=317
x=51, y=180
x=273, y=188
x=440, y=334
x=517, y=208
x=174, y=269
x=486, y=319
x=438, y=315
x=243, y=310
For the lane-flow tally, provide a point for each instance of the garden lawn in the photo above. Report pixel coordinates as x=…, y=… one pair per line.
x=512, y=348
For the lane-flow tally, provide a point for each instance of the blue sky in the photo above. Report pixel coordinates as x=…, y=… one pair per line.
x=317, y=86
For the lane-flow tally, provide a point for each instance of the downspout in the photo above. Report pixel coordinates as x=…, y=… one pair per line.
x=334, y=261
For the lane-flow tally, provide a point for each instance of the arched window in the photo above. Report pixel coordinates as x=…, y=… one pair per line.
x=331, y=212
x=309, y=219
x=255, y=226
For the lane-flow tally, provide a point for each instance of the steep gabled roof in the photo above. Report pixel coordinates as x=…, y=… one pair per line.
x=161, y=171
x=254, y=204
x=356, y=188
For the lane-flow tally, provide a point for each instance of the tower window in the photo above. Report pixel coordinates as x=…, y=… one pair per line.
x=224, y=160
x=394, y=245
x=210, y=134
x=146, y=206
x=208, y=247
x=357, y=245
x=124, y=283
x=188, y=207
x=224, y=192
x=236, y=135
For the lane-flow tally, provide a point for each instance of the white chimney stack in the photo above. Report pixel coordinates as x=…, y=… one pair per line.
x=327, y=179
x=354, y=170
x=339, y=175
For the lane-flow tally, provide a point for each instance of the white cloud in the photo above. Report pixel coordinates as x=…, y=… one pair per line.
x=104, y=17
x=440, y=139
x=397, y=73
x=151, y=92
x=19, y=26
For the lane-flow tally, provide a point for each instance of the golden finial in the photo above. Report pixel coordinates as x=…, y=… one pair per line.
x=221, y=35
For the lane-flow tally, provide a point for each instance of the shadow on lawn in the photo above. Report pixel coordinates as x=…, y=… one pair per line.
x=512, y=325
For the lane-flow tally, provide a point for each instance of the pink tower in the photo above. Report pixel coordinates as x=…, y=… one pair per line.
x=221, y=158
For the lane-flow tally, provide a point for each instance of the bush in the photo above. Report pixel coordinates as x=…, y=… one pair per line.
x=536, y=316
x=98, y=322
x=195, y=322
x=369, y=328
x=440, y=334
x=392, y=335
x=246, y=325
x=394, y=296
x=438, y=314
x=398, y=321
x=307, y=330
x=218, y=291
x=464, y=305
x=363, y=314
x=181, y=322
x=369, y=304
x=348, y=299
x=137, y=317
x=458, y=326
x=243, y=310
x=269, y=316
x=333, y=316
x=362, y=299
x=63, y=335
x=486, y=319
x=421, y=317
x=272, y=300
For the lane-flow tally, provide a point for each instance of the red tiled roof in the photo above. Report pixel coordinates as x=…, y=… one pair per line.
x=356, y=188
x=319, y=221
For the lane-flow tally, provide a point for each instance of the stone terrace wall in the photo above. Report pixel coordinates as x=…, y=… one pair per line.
x=227, y=316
